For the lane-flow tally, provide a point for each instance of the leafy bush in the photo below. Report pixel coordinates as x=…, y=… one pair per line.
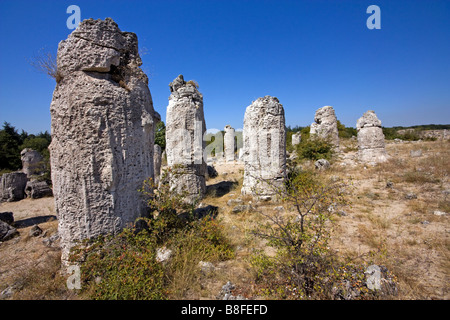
x=345, y=132
x=12, y=143
x=125, y=266
x=121, y=267
x=315, y=148
x=160, y=135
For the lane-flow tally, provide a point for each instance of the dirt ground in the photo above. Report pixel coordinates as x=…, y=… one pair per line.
x=385, y=224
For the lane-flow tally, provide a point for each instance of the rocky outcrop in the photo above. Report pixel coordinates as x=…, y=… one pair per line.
x=185, y=126
x=38, y=189
x=371, y=145
x=325, y=125
x=229, y=144
x=12, y=186
x=7, y=231
x=102, y=132
x=264, y=149
x=322, y=164
x=32, y=162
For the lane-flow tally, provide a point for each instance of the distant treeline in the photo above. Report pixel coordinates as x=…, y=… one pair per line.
x=12, y=143
x=390, y=133
x=424, y=127
x=344, y=132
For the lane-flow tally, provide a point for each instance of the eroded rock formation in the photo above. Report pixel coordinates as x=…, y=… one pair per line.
x=185, y=126
x=32, y=162
x=296, y=138
x=325, y=125
x=229, y=143
x=12, y=186
x=102, y=132
x=264, y=150
x=371, y=145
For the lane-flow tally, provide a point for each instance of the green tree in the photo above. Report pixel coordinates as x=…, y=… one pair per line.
x=345, y=132
x=303, y=259
x=39, y=142
x=9, y=148
x=160, y=135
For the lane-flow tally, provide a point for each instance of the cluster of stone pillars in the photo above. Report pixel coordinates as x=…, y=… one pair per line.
x=103, y=125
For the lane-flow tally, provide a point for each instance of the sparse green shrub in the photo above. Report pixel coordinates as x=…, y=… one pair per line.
x=160, y=135
x=125, y=266
x=345, y=132
x=303, y=261
x=315, y=148
x=121, y=267
x=419, y=177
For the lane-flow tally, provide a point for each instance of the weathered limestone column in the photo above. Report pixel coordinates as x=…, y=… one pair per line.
x=371, y=145
x=102, y=132
x=12, y=186
x=32, y=162
x=185, y=126
x=264, y=150
x=296, y=138
x=325, y=125
x=229, y=143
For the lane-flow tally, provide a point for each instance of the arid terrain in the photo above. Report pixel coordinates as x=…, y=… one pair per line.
x=398, y=218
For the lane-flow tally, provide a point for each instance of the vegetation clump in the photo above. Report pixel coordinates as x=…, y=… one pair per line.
x=127, y=265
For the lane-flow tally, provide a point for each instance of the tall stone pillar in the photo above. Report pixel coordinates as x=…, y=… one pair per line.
x=325, y=125
x=229, y=144
x=185, y=127
x=371, y=145
x=102, y=132
x=264, y=150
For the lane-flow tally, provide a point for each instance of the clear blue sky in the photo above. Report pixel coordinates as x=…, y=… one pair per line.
x=307, y=53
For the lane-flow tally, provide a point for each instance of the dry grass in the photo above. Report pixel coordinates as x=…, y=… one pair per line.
x=403, y=234
x=380, y=226
x=32, y=269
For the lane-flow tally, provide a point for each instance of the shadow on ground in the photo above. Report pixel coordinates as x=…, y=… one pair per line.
x=221, y=188
x=32, y=221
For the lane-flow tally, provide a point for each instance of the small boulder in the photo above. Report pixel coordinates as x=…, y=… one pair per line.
x=322, y=164
x=38, y=189
x=35, y=231
x=410, y=196
x=206, y=267
x=12, y=186
x=373, y=277
x=163, y=254
x=51, y=241
x=415, y=153
x=233, y=202
x=6, y=231
x=242, y=208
